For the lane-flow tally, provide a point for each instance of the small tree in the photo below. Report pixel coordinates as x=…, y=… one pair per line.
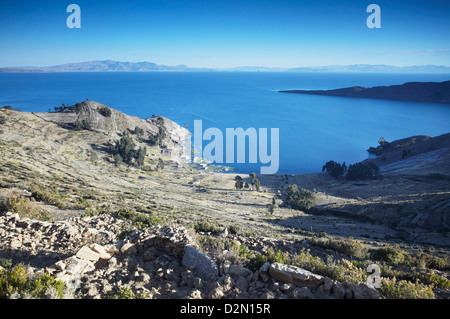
x=118, y=159
x=334, y=169
x=160, y=165
x=253, y=176
x=257, y=185
x=238, y=182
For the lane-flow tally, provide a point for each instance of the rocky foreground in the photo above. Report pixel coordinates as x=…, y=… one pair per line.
x=158, y=262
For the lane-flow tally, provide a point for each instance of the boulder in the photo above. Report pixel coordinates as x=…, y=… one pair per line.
x=295, y=275
x=237, y=271
x=202, y=265
x=86, y=253
x=362, y=291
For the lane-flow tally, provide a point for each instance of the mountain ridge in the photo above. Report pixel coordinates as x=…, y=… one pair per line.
x=145, y=66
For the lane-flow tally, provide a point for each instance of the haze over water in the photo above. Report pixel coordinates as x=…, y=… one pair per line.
x=313, y=129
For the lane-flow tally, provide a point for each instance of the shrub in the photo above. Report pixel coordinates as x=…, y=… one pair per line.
x=300, y=200
x=206, y=227
x=23, y=206
x=140, y=220
x=46, y=195
x=391, y=289
x=350, y=246
x=390, y=254
x=82, y=125
x=2, y=119
x=105, y=111
x=18, y=283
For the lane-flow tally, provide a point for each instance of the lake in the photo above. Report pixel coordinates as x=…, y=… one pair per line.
x=312, y=129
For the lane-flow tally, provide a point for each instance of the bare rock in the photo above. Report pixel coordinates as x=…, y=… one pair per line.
x=296, y=275
x=199, y=263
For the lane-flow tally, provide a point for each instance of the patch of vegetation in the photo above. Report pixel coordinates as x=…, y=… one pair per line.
x=403, y=289
x=47, y=195
x=348, y=246
x=362, y=171
x=2, y=119
x=390, y=254
x=105, y=111
x=17, y=283
x=157, y=139
x=82, y=125
x=23, y=206
x=302, y=199
x=139, y=220
x=125, y=151
x=205, y=227
x=335, y=169
x=124, y=293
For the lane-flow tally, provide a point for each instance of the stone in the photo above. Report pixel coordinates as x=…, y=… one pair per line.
x=215, y=293
x=76, y=265
x=103, y=254
x=202, y=265
x=128, y=249
x=295, y=275
x=362, y=291
x=237, y=271
x=268, y=295
x=338, y=290
x=327, y=285
x=87, y=253
x=302, y=293
x=263, y=272
x=241, y=283
x=60, y=265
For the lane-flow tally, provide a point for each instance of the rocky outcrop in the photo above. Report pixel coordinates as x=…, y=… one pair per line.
x=115, y=122
x=159, y=262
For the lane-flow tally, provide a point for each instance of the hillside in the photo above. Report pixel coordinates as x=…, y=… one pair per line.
x=66, y=206
x=432, y=92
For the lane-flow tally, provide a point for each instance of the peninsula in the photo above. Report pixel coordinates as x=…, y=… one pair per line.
x=431, y=92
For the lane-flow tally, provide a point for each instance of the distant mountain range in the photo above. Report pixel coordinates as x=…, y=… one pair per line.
x=117, y=66
x=434, y=92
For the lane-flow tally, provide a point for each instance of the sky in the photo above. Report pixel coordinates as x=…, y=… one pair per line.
x=224, y=34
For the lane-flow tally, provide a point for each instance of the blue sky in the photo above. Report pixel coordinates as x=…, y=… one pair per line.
x=226, y=33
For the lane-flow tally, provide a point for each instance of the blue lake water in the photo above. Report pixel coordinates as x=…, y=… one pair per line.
x=313, y=129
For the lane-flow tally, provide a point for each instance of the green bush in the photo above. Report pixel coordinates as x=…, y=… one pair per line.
x=390, y=254
x=2, y=120
x=348, y=246
x=18, y=283
x=391, y=289
x=300, y=200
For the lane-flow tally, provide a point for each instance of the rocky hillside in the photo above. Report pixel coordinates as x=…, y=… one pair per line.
x=158, y=262
x=168, y=230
